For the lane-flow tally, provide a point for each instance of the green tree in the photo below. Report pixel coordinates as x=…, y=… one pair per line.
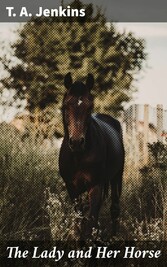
x=49, y=48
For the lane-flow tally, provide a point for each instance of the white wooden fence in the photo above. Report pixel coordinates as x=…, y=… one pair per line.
x=143, y=124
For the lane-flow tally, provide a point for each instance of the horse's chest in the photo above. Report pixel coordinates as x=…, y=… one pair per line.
x=83, y=179
x=86, y=172
x=88, y=163
x=82, y=170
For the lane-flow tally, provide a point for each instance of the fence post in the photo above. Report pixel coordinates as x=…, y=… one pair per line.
x=159, y=122
x=136, y=135
x=160, y=139
x=133, y=134
x=146, y=129
x=123, y=125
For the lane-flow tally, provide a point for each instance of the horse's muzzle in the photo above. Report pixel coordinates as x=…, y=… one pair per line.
x=77, y=144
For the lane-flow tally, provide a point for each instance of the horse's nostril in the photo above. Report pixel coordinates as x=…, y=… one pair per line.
x=76, y=144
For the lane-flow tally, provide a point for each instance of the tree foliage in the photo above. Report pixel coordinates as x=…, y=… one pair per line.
x=49, y=48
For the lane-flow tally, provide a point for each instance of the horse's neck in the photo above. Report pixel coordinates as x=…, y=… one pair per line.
x=90, y=134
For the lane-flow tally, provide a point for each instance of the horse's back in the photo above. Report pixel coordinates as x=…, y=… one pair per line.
x=110, y=121
x=110, y=126
x=112, y=133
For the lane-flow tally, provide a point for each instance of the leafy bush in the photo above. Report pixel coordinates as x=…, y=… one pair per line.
x=153, y=179
x=143, y=198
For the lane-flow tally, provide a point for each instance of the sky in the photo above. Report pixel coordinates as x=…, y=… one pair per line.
x=152, y=86
x=152, y=82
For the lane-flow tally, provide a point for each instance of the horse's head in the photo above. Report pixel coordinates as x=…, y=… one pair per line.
x=77, y=108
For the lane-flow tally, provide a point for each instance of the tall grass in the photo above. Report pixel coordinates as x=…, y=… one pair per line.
x=34, y=204
x=27, y=169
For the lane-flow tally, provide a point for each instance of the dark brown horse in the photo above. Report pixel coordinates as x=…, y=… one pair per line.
x=92, y=154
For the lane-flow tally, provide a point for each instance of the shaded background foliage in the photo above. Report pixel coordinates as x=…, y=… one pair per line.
x=48, y=48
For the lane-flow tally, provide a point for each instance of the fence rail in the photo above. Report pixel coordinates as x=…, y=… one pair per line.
x=143, y=124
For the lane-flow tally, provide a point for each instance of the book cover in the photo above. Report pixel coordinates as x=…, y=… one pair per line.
x=83, y=131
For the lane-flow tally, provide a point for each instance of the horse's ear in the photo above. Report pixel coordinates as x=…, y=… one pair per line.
x=90, y=81
x=68, y=81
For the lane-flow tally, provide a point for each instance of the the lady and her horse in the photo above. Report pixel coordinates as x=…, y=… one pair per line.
x=92, y=154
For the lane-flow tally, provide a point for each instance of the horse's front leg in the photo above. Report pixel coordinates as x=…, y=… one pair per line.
x=78, y=205
x=91, y=220
x=95, y=198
